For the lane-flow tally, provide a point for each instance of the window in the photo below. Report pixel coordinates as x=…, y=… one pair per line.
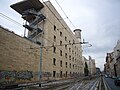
x=75, y=47
x=73, y=59
x=65, y=38
x=65, y=55
x=75, y=53
x=69, y=49
x=54, y=73
x=76, y=66
x=54, y=61
x=73, y=41
x=70, y=73
x=72, y=51
x=61, y=34
x=61, y=63
x=66, y=74
x=70, y=65
x=54, y=38
x=69, y=57
x=73, y=66
x=69, y=41
x=60, y=52
x=66, y=64
x=54, y=49
x=60, y=42
x=61, y=74
x=65, y=46
x=54, y=27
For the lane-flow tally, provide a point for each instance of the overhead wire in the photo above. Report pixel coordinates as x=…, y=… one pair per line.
x=55, y=17
x=54, y=14
x=10, y=19
x=65, y=13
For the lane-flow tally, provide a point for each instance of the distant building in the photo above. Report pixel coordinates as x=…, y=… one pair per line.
x=91, y=65
x=98, y=71
x=112, y=66
x=117, y=58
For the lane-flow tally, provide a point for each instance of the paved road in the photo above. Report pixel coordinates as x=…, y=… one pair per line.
x=111, y=84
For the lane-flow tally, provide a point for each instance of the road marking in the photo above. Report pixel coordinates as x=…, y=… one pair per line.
x=79, y=86
x=106, y=83
x=73, y=86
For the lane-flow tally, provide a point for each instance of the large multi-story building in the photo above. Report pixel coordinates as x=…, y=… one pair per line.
x=57, y=52
x=62, y=55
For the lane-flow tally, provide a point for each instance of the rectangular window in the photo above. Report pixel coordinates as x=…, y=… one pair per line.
x=69, y=42
x=61, y=63
x=69, y=49
x=73, y=41
x=60, y=52
x=72, y=51
x=65, y=38
x=73, y=59
x=54, y=27
x=61, y=74
x=54, y=61
x=65, y=55
x=70, y=65
x=61, y=34
x=65, y=46
x=61, y=43
x=54, y=73
x=54, y=38
x=54, y=49
x=69, y=57
x=66, y=74
x=66, y=64
x=70, y=74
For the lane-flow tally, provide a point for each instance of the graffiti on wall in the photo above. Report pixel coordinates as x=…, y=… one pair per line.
x=12, y=76
x=46, y=74
x=24, y=75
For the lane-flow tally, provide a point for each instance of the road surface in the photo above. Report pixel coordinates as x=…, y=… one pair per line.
x=110, y=83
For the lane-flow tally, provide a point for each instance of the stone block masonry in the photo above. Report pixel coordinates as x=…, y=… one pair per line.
x=18, y=61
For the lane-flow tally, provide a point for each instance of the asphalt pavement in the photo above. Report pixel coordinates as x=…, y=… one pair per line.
x=111, y=84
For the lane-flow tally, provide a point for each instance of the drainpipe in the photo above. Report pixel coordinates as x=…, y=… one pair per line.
x=40, y=67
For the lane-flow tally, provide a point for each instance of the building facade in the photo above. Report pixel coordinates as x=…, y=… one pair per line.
x=91, y=65
x=117, y=59
x=113, y=62
x=57, y=51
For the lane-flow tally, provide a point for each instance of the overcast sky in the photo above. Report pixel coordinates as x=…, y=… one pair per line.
x=99, y=21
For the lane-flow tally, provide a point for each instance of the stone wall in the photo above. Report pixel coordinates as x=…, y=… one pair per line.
x=19, y=58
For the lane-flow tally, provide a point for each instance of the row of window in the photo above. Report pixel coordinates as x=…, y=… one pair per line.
x=60, y=33
x=55, y=39
x=66, y=74
x=54, y=50
x=61, y=63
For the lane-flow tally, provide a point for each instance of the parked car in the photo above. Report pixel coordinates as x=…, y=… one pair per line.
x=113, y=77
x=117, y=81
x=106, y=76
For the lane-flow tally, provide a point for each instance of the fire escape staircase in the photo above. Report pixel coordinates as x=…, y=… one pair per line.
x=33, y=18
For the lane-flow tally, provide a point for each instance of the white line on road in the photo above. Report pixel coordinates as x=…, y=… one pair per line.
x=73, y=86
x=79, y=86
